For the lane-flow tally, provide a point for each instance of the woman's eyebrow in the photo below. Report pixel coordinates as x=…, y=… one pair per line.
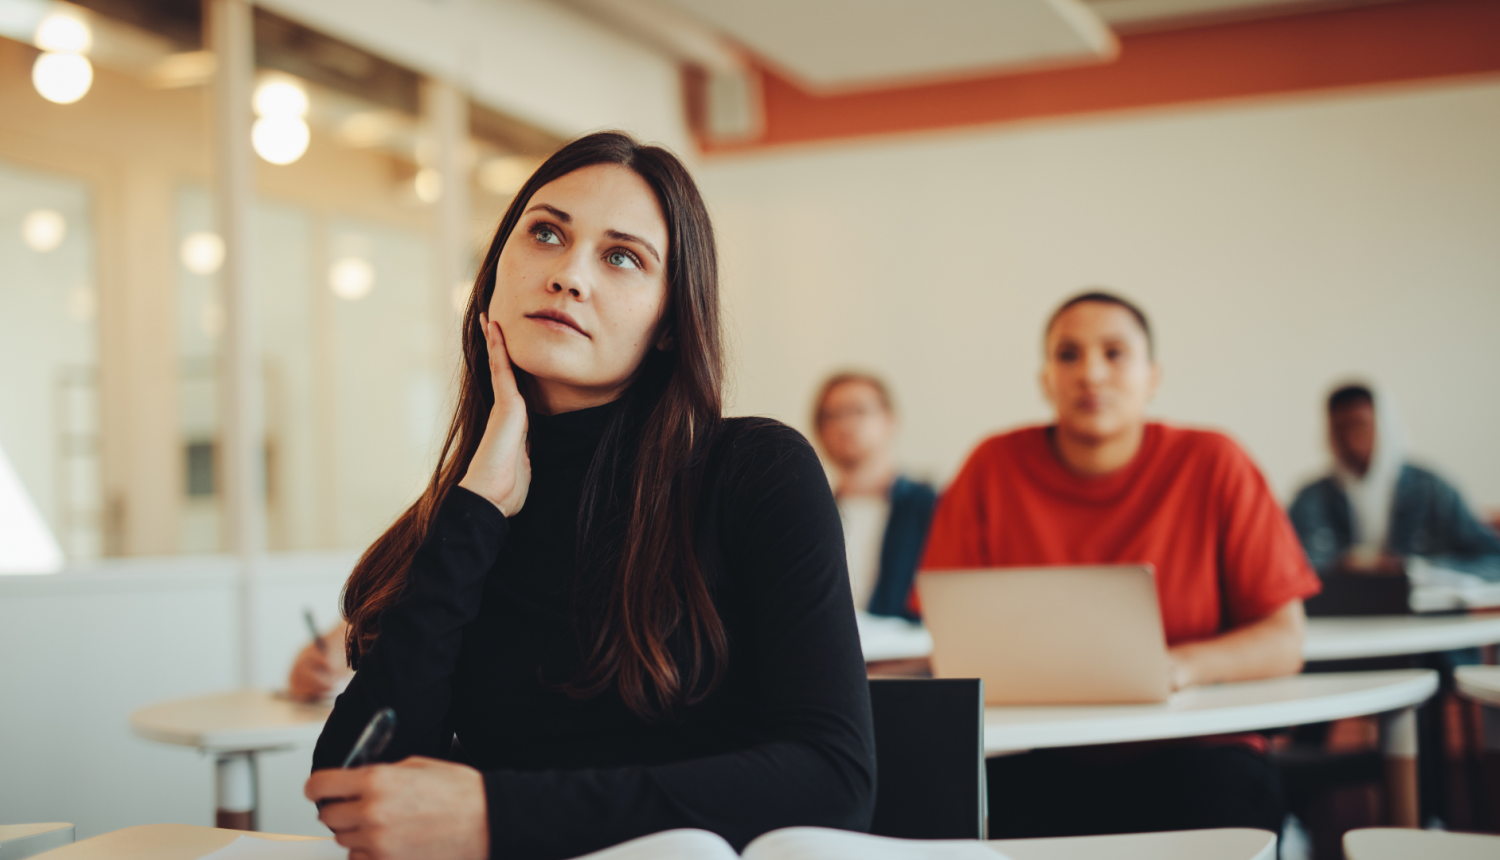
x=627, y=237
x=556, y=212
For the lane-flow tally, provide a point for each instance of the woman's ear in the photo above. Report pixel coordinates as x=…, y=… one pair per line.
x=668, y=340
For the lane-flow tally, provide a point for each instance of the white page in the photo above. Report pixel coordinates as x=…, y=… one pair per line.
x=685, y=844
x=818, y=843
x=251, y=848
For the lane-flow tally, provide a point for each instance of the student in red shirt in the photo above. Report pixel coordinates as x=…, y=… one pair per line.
x=1104, y=485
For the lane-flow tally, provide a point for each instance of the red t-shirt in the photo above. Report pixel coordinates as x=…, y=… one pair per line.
x=1190, y=503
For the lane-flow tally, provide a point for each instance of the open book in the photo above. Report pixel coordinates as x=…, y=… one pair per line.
x=795, y=843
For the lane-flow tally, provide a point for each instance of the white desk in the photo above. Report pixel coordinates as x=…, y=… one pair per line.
x=234, y=726
x=1228, y=843
x=27, y=840
x=1383, y=843
x=185, y=842
x=1243, y=707
x=1482, y=684
x=157, y=842
x=1397, y=635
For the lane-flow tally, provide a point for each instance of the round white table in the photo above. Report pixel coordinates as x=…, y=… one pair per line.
x=1482, y=684
x=235, y=727
x=1241, y=707
x=1358, y=637
x=186, y=842
x=28, y=840
x=1383, y=843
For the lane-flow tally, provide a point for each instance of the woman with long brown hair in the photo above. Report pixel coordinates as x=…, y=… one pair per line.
x=613, y=610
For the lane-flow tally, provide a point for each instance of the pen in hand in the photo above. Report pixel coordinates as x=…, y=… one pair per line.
x=312, y=628
x=371, y=743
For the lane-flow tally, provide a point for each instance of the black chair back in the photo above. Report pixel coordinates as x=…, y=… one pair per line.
x=929, y=758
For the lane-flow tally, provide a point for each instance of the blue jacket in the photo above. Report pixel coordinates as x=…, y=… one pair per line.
x=1428, y=519
x=912, y=504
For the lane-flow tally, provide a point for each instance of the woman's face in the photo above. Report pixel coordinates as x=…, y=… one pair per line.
x=1098, y=372
x=581, y=287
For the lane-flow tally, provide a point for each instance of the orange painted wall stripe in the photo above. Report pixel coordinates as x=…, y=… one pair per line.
x=1352, y=47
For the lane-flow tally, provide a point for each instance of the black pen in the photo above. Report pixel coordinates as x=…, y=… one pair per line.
x=371, y=743
x=312, y=628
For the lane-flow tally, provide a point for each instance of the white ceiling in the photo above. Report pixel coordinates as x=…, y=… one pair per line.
x=846, y=44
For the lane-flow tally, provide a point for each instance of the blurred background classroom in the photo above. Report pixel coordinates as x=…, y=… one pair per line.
x=234, y=239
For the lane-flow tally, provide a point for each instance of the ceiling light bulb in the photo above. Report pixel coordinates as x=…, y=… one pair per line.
x=351, y=278
x=429, y=184
x=202, y=253
x=280, y=98
x=43, y=230
x=62, y=78
x=280, y=139
x=63, y=32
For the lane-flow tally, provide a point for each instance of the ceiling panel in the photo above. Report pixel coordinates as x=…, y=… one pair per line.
x=850, y=44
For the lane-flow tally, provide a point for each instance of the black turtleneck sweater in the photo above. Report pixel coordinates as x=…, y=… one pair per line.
x=484, y=632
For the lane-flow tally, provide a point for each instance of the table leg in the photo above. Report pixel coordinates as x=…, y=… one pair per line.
x=1398, y=741
x=236, y=789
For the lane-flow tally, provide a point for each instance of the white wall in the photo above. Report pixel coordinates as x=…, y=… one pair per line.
x=1278, y=246
x=537, y=60
x=82, y=649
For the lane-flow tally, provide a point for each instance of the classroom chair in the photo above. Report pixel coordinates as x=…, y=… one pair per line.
x=28, y=840
x=929, y=758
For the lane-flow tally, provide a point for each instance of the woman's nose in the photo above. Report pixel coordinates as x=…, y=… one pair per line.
x=571, y=277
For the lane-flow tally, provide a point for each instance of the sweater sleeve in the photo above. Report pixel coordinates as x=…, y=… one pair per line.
x=1462, y=542
x=411, y=664
x=811, y=760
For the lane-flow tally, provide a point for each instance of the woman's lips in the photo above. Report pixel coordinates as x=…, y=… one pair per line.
x=558, y=320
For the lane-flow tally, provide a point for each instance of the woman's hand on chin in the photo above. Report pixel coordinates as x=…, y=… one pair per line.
x=501, y=469
x=420, y=808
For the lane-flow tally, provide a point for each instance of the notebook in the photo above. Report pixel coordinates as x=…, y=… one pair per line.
x=795, y=843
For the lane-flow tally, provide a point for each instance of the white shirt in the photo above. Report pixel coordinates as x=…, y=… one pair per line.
x=864, y=519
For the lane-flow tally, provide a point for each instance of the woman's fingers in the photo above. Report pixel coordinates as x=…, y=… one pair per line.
x=499, y=470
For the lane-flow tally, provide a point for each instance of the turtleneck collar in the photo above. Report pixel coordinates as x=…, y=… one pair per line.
x=568, y=433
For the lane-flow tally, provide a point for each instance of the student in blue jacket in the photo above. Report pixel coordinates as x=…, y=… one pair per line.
x=885, y=514
x=1376, y=510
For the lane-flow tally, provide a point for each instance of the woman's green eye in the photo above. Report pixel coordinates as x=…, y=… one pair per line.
x=621, y=259
x=546, y=234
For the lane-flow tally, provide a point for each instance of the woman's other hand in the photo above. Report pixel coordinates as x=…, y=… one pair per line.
x=420, y=808
x=501, y=469
x=318, y=667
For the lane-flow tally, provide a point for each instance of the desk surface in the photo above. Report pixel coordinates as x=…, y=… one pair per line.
x=1480, y=683
x=157, y=842
x=232, y=721
x=1219, y=709
x=1235, y=843
x=1395, y=635
x=1390, y=843
x=186, y=842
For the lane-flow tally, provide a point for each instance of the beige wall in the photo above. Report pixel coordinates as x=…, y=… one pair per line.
x=1279, y=246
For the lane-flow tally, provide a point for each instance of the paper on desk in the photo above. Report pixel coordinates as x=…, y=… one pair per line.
x=251, y=848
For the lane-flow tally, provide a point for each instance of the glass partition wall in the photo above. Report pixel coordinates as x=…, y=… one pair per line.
x=112, y=310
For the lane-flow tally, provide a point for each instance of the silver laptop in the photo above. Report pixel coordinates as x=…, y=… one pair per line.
x=1049, y=635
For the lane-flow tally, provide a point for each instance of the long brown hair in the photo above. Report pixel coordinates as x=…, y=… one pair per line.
x=646, y=474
